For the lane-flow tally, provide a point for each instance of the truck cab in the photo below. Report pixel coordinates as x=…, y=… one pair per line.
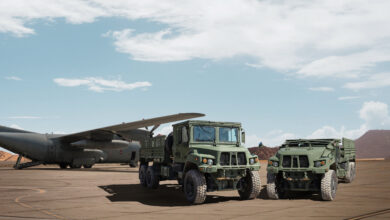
x=201, y=153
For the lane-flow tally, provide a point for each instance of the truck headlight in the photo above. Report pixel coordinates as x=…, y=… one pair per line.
x=319, y=163
x=251, y=161
x=210, y=162
x=275, y=163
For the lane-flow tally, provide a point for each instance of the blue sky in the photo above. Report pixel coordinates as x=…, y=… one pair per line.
x=284, y=69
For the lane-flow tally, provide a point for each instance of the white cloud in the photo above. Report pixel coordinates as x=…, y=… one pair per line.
x=24, y=117
x=374, y=81
x=164, y=130
x=319, y=38
x=13, y=78
x=374, y=114
x=346, y=66
x=16, y=126
x=271, y=139
x=322, y=89
x=347, y=97
x=331, y=132
x=100, y=85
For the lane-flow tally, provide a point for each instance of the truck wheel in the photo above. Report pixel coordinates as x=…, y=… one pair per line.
x=350, y=173
x=329, y=185
x=195, y=187
x=272, y=189
x=142, y=175
x=250, y=185
x=88, y=166
x=152, y=179
x=353, y=171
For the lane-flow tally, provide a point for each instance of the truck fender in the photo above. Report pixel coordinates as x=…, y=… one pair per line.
x=189, y=166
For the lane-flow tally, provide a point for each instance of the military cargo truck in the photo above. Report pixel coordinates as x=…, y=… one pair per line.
x=202, y=156
x=313, y=165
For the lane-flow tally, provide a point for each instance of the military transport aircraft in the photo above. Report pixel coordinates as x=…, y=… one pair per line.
x=112, y=144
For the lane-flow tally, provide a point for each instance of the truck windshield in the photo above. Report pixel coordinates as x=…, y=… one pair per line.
x=204, y=133
x=228, y=134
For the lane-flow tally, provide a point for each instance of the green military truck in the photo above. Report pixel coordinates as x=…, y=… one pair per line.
x=202, y=156
x=313, y=165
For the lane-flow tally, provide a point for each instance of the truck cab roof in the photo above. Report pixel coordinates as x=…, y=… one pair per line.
x=210, y=123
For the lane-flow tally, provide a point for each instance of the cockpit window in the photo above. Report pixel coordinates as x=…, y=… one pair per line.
x=204, y=134
x=228, y=134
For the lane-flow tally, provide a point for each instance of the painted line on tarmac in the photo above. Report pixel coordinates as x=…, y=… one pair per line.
x=370, y=214
x=23, y=204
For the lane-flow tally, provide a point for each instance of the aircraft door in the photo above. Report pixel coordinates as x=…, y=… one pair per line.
x=51, y=152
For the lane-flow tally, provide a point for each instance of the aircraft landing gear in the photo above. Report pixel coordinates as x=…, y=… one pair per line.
x=20, y=166
x=63, y=165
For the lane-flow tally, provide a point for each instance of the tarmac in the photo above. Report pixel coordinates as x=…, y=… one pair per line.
x=112, y=191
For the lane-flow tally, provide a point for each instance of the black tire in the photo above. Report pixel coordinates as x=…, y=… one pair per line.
x=142, y=175
x=353, y=171
x=132, y=164
x=195, y=187
x=329, y=183
x=63, y=165
x=88, y=166
x=73, y=166
x=273, y=190
x=349, y=176
x=250, y=185
x=152, y=179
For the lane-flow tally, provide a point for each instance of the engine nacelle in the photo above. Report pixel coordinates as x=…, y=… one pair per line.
x=88, y=144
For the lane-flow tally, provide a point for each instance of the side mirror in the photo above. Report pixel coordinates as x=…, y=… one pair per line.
x=261, y=144
x=243, y=137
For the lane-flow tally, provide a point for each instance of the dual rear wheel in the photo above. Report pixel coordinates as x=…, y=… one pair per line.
x=148, y=177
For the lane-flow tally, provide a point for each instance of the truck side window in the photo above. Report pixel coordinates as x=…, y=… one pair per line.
x=179, y=136
x=184, y=135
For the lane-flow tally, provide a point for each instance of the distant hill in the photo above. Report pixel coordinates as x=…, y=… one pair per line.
x=4, y=155
x=373, y=144
x=263, y=152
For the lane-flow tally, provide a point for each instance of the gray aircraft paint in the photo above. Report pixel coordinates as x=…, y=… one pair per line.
x=113, y=144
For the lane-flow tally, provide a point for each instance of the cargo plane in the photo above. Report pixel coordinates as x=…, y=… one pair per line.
x=113, y=144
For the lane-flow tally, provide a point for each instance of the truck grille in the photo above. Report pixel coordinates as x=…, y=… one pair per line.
x=301, y=161
x=227, y=159
x=241, y=158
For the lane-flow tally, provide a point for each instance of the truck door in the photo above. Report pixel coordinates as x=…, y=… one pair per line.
x=180, y=148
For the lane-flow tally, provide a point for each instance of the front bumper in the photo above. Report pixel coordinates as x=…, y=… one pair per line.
x=315, y=170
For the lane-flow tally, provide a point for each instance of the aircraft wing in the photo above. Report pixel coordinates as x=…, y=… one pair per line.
x=131, y=129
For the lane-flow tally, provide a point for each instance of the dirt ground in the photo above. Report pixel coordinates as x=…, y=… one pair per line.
x=112, y=192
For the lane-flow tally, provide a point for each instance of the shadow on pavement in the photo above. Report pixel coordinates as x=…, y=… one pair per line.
x=292, y=195
x=164, y=195
x=84, y=170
